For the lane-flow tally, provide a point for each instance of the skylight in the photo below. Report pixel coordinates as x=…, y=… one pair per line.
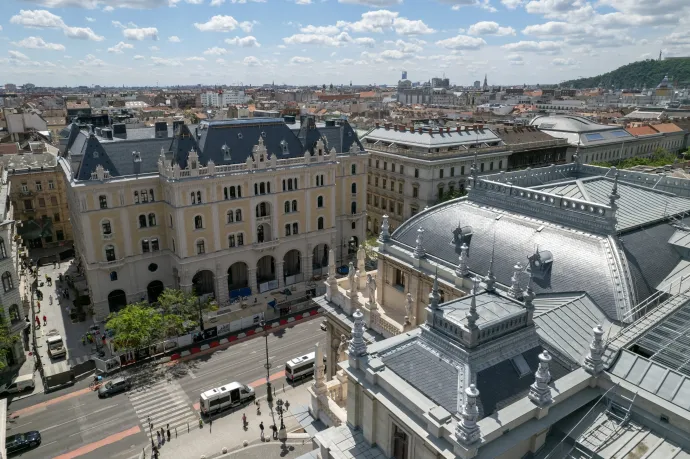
x=594, y=136
x=620, y=133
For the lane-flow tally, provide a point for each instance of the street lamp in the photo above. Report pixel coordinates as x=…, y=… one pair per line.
x=267, y=365
x=281, y=408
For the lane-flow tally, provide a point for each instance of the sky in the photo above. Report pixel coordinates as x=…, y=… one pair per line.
x=169, y=42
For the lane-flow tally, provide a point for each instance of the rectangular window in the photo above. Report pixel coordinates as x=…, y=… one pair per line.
x=28, y=205
x=240, y=239
x=368, y=198
x=440, y=173
x=393, y=167
x=452, y=172
x=400, y=208
x=53, y=201
x=384, y=184
x=25, y=186
x=376, y=181
x=392, y=185
x=500, y=164
x=39, y=186
x=400, y=188
x=413, y=211
x=41, y=202
x=402, y=169
x=399, y=278
x=60, y=235
x=377, y=164
x=481, y=167
x=462, y=170
x=145, y=246
x=385, y=165
x=415, y=192
x=491, y=166
x=56, y=218
x=416, y=173
x=376, y=201
x=154, y=245
x=383, y=203
x=391, y=207
x=231, y=240
x=51, y=185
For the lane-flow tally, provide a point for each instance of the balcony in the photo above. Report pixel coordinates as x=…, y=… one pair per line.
x=111, y=264
x=265, y=218
x=268, y=245
x=26, y=193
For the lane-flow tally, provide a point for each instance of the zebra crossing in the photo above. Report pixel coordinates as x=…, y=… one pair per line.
x=164, y=403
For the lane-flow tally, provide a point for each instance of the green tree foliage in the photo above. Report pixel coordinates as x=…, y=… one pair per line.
x=137, y=325
x=647, y=73
x=659, y=158
x=451, y=194
x=7, y=340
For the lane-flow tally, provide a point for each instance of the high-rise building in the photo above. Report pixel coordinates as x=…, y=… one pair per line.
x=404, y=75
x=477, y=84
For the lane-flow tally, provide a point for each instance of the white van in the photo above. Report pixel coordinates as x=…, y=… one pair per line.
x=56, y=348
x=215, y=400
x=19, y=384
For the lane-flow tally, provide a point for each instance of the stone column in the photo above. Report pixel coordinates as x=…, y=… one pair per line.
x=462, y=270
x=539, y=391
x=331, y=282
x=222, y=292
x=279, y=273
x=593, y=363
x=251, y=272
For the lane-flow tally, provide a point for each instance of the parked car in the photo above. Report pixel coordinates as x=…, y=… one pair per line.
x=114, y=386
x=323, y=325
x=19, y=384
x=23, y=441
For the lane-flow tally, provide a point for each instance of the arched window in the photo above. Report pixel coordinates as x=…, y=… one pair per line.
x=144, y=196
x=231, y=240
x=198, y=197
x=319, y=224
x=240, y=238
x=198, y=222
x=142, y=221
x=319, y=201
x=353, y=207
x=230, y=216
x=145, y=248
x=294, y=228
x=103, y=201
x=152, y=219
x=284, y=185
x=136, y=197
x=354, y=188
x=296, y=187
x=151, y=194
x=256, y=188
x=239, y=191
x=232, y=193
x=353, y=169
x=110, y=253
x=287, y=229
x=3, y=250
x=294, y=205
x=225, y=193
x=238, y=215
x=7, y=283
x=268, y=187
x=113, y=275
x=262, y=188
x=260, y=233
x=105, y=226
x=15, y=316
x=200, y=247
x=287, y=207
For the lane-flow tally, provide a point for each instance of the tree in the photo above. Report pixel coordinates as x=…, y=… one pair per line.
x=451, y=194
x=660, y=157
x=176, y=304
x=7, y=340
x=137, y=325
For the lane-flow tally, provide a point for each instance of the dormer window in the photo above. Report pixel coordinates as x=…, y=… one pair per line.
x=284, y=147
x=239, y=135
x=226, y=153
x=136, y=156
x=263, y=134
x=95, y=153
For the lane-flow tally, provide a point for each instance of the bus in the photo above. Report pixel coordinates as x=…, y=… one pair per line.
x=215, y=400
x=301, y=367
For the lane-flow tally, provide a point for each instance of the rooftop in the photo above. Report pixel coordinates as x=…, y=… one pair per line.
x=431, y=137
x=22, y=162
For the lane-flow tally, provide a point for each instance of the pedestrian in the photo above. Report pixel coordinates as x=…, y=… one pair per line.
x=261, y=426
x=275, y=431
x=168, y=432
x=50, y=300
x=153, y=446
x=158, y=436
x=38, y=321
x=38, y=304
x=148, y=421
x=244, y=421
x=45, y=320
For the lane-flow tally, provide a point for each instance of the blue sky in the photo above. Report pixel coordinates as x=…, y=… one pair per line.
x=165, y=42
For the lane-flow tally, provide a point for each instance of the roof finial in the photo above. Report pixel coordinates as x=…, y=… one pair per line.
x=614, y=196
x=472, y=315
x=490, y=279
x=463, y=270
x=515, y=281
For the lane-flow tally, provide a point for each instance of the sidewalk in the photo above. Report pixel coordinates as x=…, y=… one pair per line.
x=225, y=434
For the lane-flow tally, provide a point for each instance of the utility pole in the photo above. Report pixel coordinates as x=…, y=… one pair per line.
x=267, y=365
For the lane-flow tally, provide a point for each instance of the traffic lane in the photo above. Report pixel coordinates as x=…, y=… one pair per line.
x=75, y=423
x=15, y=405
x=244, y=362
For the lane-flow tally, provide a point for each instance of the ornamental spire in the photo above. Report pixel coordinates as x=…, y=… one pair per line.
x=419, y=248
x=539, y=391
x=467, y=430
x=514, y=290
x=434, y=296
x=463, y=270
x=472, y=315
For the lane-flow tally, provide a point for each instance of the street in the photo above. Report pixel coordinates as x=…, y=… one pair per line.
x=76, y=423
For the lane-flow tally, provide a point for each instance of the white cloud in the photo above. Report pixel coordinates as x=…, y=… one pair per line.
x=512, y=4
x=407, y=47
x=462, y=42
x=365, y=41
x=92, y=4
x=489, y=28
x=82, y=33
x=118, y=49
x=302, y=2
x=571, y=10
x=216, y=51
x=677, y=38
x=154, y=48
x=314, y=39
x=118, y=24
x=544, y=47
x=138, y=57
x=38, y=43
x=564, y=62
x=457, y=4
x=217, y=2
x=251, y=61
x=515, y=59
x=88, y=19
x=247, y=26
x=166, y=62
x=195, y=58
x=301, y=60
x=38, y=19
x=393, y=54
x=174, y=39
x=372, y=3
x=382, y=20
x=108, y=9
x=16, y=55
x=326, y=30
x=218, y=23
x=245, y=42
x=143, y=33
x=220, y=61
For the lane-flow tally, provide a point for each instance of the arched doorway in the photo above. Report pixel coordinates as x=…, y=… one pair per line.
x=238, y=280
x=266, y=273
x=352, y=246
x=117, y=299
x=203, y=283
x=320, y=259
x=154, y=289
x=292, y=267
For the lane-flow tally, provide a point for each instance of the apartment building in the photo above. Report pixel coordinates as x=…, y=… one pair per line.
x=410, y=169
x=225, y=208
x=39, y=198
x=222, y=98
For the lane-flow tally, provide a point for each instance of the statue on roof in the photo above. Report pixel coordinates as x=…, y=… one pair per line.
x=371, y=291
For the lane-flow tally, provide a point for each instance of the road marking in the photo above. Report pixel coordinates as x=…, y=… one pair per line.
x=47, y=403
x=191, y=374
x=80, y=417
x=99, y=444
x=46, y=444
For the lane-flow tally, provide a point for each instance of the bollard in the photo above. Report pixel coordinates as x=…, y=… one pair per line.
x=176, y=431
x=245, y=443
x=188, y=427
x=224, y=450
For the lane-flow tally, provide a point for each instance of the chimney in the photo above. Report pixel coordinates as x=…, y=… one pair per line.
x=480, y=126
x=377, y=125
x=420, y=130
x=459, y=128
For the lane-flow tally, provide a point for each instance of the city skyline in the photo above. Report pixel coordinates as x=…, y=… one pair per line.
x=178, y=42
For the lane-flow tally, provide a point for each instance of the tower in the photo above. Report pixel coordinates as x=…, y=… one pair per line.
x=486, y=84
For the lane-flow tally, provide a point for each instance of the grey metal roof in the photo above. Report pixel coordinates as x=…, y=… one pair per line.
x=568, y=327
x=544, y=303
x=569, y=123
x=570, y=189
x=580, y=261
x=436, y=378
x=680, y=238
x=490, y=308
x=432, y=140
x=667, y=383
x=678, y=279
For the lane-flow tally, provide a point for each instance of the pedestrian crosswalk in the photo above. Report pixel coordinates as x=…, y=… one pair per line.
x=164, y=403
